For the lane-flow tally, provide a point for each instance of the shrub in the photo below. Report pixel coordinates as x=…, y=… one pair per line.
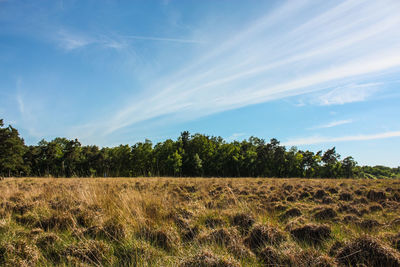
x=222, y=236
x=208, y=259
x=136, y=254
x=367, y=251
x=114, y=230
x=62, y=221
x=325, y=214
x=89, y=251
x=346, y=196
x=293, y=212
x=376, y=195
x=369, y=224
x=49, y=244
x=19, y=253
x=243, y=221
x=327, y=200
x=312, y=257
x=311, y=233
x=262, y=235
x=320, y=194
x=375, y=208
x=163, y=238
x=272, y=257
x=47, y=240
x=304, y=195
x=213, y=222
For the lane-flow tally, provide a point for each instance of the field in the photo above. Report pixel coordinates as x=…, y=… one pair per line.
x=199, y=222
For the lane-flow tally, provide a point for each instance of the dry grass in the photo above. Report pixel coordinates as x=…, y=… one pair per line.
x=199, y=222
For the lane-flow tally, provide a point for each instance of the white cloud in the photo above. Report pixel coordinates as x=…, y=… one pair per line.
x=273, y=59
x=332, y=124
x=320, y=139
x=150, y=38
x=71, y=41
x=27, y=110
x=348, y=94
x=21, y=104
x=235, y=136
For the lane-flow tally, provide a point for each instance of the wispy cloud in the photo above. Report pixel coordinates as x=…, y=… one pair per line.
x=348, y=94
x=332, y=124
x=163, y=39
x=26, y=116
x=21, y=105
x=18, y=97
x=320, y=48
x=235, y=136
x=320, y=139
x=71, y=40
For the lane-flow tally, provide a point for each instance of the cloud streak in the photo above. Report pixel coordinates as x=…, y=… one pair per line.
x=71, y=40
x=323, y=47
x=163, y=39
x=332, y=124
x=319, y=139
x=235, y=137
x=348, y=94
x=26, y=112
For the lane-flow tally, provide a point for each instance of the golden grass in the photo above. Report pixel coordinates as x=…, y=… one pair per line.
x=198, y=221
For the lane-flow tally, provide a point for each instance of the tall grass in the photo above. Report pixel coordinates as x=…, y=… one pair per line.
x=197, y=222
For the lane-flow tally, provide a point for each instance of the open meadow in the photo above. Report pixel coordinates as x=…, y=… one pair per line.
x=199, y=222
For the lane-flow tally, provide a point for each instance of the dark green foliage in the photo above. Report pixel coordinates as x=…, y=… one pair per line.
x=12, y=149
x=188, y=156
x=378, y=172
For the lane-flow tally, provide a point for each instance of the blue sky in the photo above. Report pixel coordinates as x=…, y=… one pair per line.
x=313, y=74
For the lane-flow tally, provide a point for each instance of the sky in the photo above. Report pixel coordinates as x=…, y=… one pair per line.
x=313, y=74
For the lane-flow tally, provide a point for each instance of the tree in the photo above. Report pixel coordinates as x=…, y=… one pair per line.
x=348, y=165
x=198, y=165
x=12, y=150
x=311, y=163
x=189, y=155
x=90, y=164
x=249, y=159
x=174, y=162
x=293, y=163
x=142, y=159
x=163, y=152
x=32, y=160
x=72, y=157
x=331, y=164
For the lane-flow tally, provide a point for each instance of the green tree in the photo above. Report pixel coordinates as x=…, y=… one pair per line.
x=12, y=150
x=198, y=165
x=248, y=159
x=72, y=157
x=174, y=163
x=142, y=159
x=189, y=155
x=293, y=163
x=331, y=165
x=311, y=163
x=348, y=165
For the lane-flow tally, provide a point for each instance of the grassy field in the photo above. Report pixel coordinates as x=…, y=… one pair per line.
x=199, y=222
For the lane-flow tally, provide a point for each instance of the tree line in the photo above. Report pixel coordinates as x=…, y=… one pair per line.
x=196, y=155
